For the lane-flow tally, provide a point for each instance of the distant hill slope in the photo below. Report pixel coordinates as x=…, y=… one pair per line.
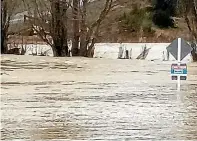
x=111, y=31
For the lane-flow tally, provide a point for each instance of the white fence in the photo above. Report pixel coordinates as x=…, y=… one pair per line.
x=157, y=50
x=110, y=50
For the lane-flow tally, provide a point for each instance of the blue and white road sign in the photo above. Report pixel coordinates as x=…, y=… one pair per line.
x=179, y=70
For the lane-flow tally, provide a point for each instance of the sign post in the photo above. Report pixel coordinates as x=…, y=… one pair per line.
x=179, y=49
x=179, y=62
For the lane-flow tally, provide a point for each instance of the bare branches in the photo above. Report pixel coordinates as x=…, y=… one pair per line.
x=104, y=12
x=49, y=18
x=8, y=10
x=42, y=34
x=190, y=14
x=89, y=33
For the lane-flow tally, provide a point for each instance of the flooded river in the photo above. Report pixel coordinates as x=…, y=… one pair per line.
x=45, y=98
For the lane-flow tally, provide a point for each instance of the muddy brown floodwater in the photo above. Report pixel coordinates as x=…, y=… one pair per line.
x=45, y=98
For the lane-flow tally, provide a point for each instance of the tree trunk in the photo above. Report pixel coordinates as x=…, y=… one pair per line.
x=194, y=56
x=194, y=52
x=4, y=27
x=83, y=32
x=89, y=34
x=3, y=41
x=75, y=42
x=83, y=45
x=59, y=48
x=83, y=38
x=59, y=32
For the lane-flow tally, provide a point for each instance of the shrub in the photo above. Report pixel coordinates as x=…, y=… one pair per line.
x=162, y=19
x=163, y=12
x=136, y=19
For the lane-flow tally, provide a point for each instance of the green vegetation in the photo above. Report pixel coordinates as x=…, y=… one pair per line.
x=136, y=20
x=160, y=14
x=163, y=12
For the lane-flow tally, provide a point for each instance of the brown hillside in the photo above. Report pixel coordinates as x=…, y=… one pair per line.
x=112, y=32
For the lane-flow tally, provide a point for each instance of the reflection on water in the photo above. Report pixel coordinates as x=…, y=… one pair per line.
x=58, y=129
x=116, y=103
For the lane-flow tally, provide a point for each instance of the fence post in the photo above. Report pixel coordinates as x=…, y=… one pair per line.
x=120, y=54
x=131, y=53
x=127, y=54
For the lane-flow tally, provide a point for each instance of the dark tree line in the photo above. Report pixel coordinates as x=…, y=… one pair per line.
x=164, y=10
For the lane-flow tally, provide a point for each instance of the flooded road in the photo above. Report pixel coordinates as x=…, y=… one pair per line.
x=44, y=98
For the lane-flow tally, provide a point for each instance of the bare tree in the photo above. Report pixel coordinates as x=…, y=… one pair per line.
x=91, y=32
x=8, y=8
x=88, y=33
x=190, y=15
x=50, y=23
